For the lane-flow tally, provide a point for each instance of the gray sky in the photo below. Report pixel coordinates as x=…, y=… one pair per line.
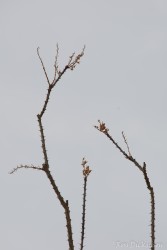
x=122, y=81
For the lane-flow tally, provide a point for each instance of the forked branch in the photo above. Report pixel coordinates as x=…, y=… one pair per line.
x=72, y=62
x=102, y=128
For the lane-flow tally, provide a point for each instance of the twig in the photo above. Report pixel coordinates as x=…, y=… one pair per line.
x=43, y=66
x=56, y=63
x=24, y=166
x=102, y=128
x=126, y=142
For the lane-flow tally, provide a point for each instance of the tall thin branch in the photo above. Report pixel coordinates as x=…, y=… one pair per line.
x=86, y=172
x=73, y=61
x=83, y=214
x=58, y=74
x=102, y=128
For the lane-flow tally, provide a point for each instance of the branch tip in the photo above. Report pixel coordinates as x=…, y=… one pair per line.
x=86, y=168
x=102, y=127
x=126, y=142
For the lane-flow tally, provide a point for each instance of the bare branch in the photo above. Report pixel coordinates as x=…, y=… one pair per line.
x=56, y=66
x=102, y=128
x=58, y=74
x=25, y=166
x=86, y=172
x=64, y=205
x=152, y=196
x=73, y=61
x=43, y=66
x=126, y=142
x=43, y=142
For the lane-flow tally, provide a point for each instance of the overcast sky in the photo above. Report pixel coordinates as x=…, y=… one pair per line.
x=122, y=81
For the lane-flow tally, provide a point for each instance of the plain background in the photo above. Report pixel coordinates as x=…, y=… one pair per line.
x=122, y=81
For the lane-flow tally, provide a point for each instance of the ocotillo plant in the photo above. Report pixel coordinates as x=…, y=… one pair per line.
x=102, y=128
x=45, y=167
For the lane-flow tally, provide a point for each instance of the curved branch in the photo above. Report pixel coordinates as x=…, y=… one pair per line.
x=102, y=128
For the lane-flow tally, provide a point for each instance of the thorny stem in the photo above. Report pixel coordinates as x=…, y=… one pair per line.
x=83, y=214
x=129, y=157
x=51, y=86
x=64, y=205
x=102, y=128
x=73, y=61
x=152, y=196
x=86, y=171
x=71, y=65
x=25, y=166
x=46, y=102
x=43, y=141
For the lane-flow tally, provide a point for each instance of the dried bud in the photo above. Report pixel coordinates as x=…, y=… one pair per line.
x=102, y=127
x=86, y=169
